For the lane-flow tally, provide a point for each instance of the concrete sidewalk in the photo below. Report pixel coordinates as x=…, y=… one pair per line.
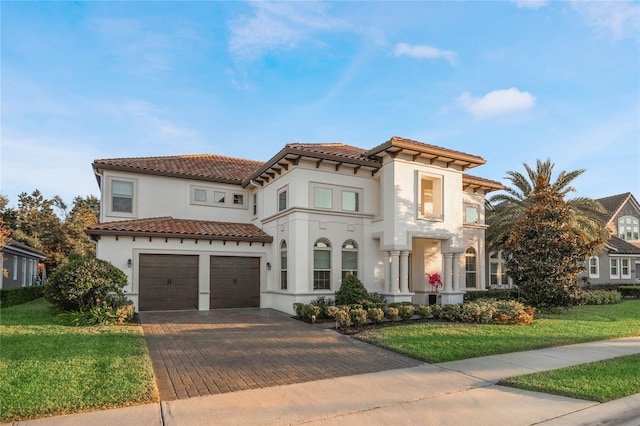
x=453, y=393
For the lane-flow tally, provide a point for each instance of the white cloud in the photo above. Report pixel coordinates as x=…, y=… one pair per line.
x=424, y=52
x=279, y=25
x=530, y=4
x=619, y=19
x=497, y=102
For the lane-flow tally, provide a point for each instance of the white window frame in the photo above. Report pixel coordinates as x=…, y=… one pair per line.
x=211, y=192
x=283, y=191
x=595, y=274
x=475, y=268
x=322, y=270
x=357, y=199
x=627, y=274
x=255, y=204
x=15, y=267
x=134, y=197
x=437, y=196
x=629, y=228
x=316, y=197
x=614, y=273
x=284, y=255
x=502, y=277
x=477, y=210
x=24, y=271
x=349, y=246
x=201, y=191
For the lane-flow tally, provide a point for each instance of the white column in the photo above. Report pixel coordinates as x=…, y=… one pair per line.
x=404, y=272
x=387, y=273
x=395, y=271
x=447, y=272
x=456, y=272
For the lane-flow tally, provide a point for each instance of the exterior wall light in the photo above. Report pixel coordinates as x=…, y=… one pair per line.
x=268, y=266
x=129, y=263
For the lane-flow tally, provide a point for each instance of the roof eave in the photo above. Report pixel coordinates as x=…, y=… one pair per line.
x=111, y=232
x=98, y=166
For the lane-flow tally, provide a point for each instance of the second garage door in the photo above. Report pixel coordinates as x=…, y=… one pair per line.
x=235, y=282
x=168, y=282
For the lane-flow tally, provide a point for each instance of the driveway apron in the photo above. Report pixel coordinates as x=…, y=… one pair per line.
x=226, y=350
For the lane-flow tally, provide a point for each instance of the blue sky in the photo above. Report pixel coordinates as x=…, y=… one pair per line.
x=512, y=82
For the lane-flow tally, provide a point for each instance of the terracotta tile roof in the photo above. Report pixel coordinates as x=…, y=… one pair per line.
x=475, y=181
x=169, y=227
x=621, y=246
x=208, y=167
x=612, y=204
x=337, y=149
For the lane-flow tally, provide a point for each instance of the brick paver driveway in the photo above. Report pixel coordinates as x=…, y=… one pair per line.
x=204, y=353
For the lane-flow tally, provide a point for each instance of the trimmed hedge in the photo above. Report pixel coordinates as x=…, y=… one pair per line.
x=19, y=295
x=631, y=291
x=600, y=297
x=492, y=294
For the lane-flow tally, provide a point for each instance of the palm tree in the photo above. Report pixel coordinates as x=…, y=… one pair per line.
x=585, y=217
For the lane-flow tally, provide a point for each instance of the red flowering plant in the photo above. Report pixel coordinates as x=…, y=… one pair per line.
x=435, y=281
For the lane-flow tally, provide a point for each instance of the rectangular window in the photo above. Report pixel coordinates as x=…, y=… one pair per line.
x=471, y=214
x=218, y=197
x=255, y=204
x=613, y=268
x=322, y=198
x=200, y=195
x=625, y=269
x=24, y=271
x=593, y=267
x=283, y=269
x=282, y=200
x=15, y=267
x=122, y=196
x=350, y=201
x=238, y=199
x=321, y=269
x=431, y=197
x=494, y=274
x=349, y=263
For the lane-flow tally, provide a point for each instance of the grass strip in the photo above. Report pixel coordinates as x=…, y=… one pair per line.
x=48, y=368
x=600, y=381
x=441, y=342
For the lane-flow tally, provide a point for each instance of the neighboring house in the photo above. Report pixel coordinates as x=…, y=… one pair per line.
x=206, y=231
x=20, y=262
x=619, y=261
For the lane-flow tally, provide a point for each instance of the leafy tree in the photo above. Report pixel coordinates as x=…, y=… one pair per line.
x=351, y=291
x=85, y=212
x=5, y=235
x=546, y=238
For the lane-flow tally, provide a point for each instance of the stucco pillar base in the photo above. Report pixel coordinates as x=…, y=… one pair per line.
x=452, y=298
x=398, y=297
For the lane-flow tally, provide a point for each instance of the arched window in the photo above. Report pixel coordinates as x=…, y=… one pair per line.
x=283, y=265
x=470, y=267
x=594, y=267
x=322, y=265
x=349, y=258
x=628, y=228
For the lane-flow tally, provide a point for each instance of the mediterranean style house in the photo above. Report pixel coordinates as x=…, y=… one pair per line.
x=20, y=262
x=207, y=231
x=619, y=261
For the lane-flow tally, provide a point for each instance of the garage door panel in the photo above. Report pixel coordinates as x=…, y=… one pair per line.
x=168, y=282
x=235, y=282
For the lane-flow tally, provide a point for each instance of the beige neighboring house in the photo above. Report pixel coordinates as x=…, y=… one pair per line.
x=207, y=231
x=619, y=261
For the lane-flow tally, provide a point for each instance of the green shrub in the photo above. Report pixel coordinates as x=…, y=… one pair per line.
x=331, y=311
x=351, y=291
x=343, y=320
x=600, y=297
x=491, y=294
x=113, y=310
x=406, y=311
x=297, y=307
x=424, y=311
x=323, y=303
x=19, y=295
x=375, y=315
x=390, y=313
x=78, y=285
x=306, y=311
x=631, y=291
x=358, y=316
x=377, y=298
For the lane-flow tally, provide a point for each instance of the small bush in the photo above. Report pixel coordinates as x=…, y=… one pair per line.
x=351, y=291
x=19, y=295
x=331, y=311
x=630, y=291
x=297, y=307
x=116, y=310
x=375, y=315
x=78, y=285
x=491, y=294
x=390, y=313
x=406, y=311
x=600, y=297
x=377, y=298
x=343, y=320
x=358, y=316
x=424, y=311
x=323, y=303
x=306, y=311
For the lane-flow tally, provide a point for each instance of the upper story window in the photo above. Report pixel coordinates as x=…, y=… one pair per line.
x=238, y=199
x=255, y=204
x=350, y=201
x=430, y=196
x=471, y=214
x=219, y=196
x=200, y=195
x=628, y=227
x=122, y=196
x=282, y=200
x=322, y=198
x=349, y=258
x=594, y=267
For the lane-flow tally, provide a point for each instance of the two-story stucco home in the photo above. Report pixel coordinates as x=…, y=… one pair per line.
x=206, y=231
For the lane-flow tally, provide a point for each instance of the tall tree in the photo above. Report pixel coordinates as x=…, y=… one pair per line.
x=545, y=237
x=85, y=212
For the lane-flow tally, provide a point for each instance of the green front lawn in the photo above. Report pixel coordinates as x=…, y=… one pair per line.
x=47, y=368
x=599, y=381
x=441, y=342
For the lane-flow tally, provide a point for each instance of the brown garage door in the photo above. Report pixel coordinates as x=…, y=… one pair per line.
x=235, y=282
x=168, y=282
